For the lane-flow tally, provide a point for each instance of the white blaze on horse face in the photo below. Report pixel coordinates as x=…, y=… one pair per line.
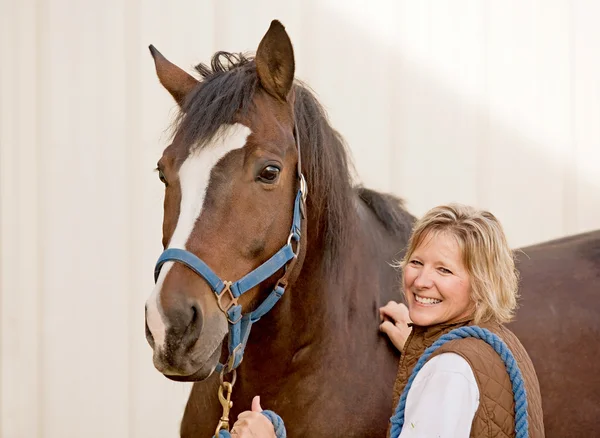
x=194, y=176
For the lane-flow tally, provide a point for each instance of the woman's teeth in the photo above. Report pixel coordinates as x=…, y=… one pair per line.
x=424, y=300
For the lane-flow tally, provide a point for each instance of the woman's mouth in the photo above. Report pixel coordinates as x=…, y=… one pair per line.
x=426, y=301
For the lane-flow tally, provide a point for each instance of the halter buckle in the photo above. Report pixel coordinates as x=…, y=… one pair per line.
x=303, y=187
x=231, y=360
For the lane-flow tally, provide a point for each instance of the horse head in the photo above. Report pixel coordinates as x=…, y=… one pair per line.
x=232, y=180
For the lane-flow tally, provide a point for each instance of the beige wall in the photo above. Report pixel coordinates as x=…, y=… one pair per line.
x=495, y=104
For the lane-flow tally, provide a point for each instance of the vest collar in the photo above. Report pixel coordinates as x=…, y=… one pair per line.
x=435, y=331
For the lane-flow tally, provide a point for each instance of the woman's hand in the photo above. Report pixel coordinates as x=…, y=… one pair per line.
x=253, y=424
x=395, y=319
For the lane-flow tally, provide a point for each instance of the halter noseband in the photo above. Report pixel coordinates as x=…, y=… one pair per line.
x=227, y=292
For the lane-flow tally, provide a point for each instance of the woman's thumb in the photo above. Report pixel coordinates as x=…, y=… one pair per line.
x=256, y=404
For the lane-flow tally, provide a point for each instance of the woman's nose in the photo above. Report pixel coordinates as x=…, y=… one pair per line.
x=424, y=280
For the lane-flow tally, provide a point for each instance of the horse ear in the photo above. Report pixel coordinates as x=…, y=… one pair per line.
x=275, y=61
x=175, y=80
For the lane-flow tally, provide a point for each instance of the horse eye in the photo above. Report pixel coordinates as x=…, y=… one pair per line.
x=269, y=174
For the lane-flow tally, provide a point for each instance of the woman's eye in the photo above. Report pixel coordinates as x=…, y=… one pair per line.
x=445, y=271
x=415, y=262
x=269, y=174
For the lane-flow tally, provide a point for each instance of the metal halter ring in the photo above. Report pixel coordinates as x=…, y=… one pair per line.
x=289, y=242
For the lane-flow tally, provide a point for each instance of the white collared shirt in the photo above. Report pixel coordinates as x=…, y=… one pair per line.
x=442, y=400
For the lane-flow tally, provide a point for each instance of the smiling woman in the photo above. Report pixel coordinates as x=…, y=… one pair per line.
x=459, y=271
x=437, y=285
x=461, y=252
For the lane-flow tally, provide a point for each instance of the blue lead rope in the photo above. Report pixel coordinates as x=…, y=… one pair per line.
x=273, y=418
x=519, y=394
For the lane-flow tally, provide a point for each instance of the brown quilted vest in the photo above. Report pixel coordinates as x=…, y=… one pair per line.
x=495, y=416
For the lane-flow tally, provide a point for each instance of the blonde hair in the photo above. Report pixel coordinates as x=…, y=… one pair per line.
x=485, y=253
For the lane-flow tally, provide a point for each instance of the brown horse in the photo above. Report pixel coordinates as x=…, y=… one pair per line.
x=559, y=324
x=317, y=358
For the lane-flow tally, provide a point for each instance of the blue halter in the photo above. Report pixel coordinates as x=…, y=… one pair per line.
x=227, y=292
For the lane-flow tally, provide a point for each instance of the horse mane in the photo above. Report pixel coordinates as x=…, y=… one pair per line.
x=227, y=89
x=389, y=210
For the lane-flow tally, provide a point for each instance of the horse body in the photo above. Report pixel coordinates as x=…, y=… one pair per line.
x=558, y=322
x=318, y=359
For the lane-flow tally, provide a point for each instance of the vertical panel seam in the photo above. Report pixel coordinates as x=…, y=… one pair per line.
x=484, y=142
x=131, y=30
x=570, y=218
x=2, y=98
x=37, y=185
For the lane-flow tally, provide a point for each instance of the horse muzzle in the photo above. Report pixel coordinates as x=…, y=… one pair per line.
x=186, y=345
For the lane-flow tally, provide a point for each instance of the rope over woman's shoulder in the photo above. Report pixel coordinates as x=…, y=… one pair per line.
x=514, y=373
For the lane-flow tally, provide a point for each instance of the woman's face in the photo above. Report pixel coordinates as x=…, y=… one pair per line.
x=436, y=282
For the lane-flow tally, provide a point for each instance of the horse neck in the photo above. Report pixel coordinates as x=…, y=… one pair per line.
x=317, y=306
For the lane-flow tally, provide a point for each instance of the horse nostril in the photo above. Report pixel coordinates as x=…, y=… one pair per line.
x=196, y=321
x=192, y=333
x=194, y=314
